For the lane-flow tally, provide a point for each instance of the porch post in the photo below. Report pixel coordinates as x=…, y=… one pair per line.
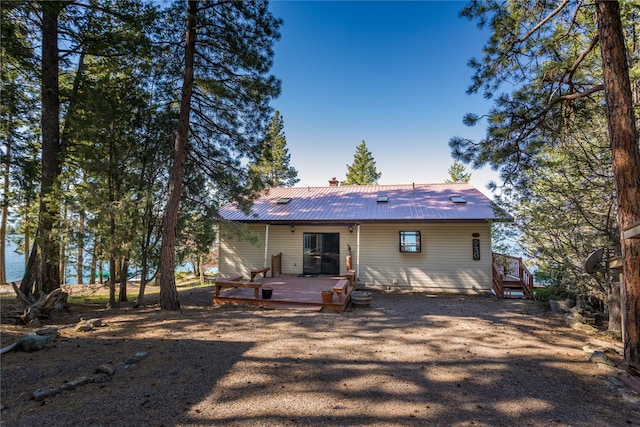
x=266, y=245
x=357, y=252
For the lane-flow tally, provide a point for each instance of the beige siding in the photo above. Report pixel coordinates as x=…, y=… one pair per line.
x=238, y=257
x=444, y=265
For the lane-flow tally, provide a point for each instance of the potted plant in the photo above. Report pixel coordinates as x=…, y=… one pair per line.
x=327, y=295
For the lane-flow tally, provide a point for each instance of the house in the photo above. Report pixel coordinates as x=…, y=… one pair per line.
x=428, y=237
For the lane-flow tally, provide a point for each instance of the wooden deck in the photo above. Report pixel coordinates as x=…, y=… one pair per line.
x=289, y=292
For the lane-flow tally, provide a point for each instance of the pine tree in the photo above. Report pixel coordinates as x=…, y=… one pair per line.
x=457, y=173
x=18, y=118
x=589, y=65
x=273, y=163
x=226, y=90
x=363, y=169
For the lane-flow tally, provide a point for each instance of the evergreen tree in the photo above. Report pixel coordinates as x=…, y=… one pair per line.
x=457, y=173
x=18, y=119
x=225, y=95
x=273, y=163
x=568, y=211
x=557, y=58
x=69, y=33
x=363, y=169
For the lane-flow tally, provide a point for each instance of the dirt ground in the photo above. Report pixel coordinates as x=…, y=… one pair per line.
x=409, y=359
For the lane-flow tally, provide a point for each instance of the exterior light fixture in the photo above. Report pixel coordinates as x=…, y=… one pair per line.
x=293, y=228
x=350, y=228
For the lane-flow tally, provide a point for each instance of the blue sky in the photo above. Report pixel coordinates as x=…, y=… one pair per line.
x=393, y=74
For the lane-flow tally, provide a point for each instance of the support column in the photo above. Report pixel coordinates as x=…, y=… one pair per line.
x=357, y=253
x=266, y=245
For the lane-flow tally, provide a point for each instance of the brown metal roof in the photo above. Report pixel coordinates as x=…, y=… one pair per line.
x=359, y=203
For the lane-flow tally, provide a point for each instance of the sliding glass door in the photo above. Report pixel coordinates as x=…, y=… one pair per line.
x=321, y=253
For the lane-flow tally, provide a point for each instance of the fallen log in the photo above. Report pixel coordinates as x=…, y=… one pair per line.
x=30, y=342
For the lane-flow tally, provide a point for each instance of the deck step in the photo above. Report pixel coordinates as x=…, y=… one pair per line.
x=292, y=307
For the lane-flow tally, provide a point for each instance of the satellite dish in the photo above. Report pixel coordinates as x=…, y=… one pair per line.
x=594, y=261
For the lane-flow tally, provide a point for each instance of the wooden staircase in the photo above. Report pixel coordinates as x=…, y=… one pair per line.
x=511, y=279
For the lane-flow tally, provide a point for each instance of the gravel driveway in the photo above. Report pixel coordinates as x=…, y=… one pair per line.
x=409, y=359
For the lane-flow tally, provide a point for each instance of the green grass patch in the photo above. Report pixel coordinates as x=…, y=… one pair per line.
x=103, y=297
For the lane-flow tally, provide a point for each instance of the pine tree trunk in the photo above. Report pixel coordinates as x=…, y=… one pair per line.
x=80, y=260
x=5, y=210
x=623, y=137
x=27, y=231
x=62, y=226
x=614, y=304
x=143, y=281
x=144, y=268
x=94, y=261
x=112, y=280
x=47, y=273
x=168, y=291
x=122, y=294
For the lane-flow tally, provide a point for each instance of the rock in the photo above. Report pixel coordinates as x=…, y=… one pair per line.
x=33, y=342
x=106, y=369
x=577, y=322
x=83, y=326
x=88, y=325
x=562, y=306
x=51, y=330
x=70, y=385
x=581, y=327
x=600, y=357
x=100, y=378
x=136, y=357
x=96, y=323
x=43, y=393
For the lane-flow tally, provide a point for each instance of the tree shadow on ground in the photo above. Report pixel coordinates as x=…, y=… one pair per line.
x=409, y=359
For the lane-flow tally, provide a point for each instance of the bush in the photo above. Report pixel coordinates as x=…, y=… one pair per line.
x=555, y=292
x=182, y=275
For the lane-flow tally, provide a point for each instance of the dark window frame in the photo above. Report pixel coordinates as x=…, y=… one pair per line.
x=411, y=247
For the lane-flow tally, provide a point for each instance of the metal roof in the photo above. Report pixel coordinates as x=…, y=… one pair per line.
x=365, y=203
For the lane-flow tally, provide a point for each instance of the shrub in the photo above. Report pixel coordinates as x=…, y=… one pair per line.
x=543, y=295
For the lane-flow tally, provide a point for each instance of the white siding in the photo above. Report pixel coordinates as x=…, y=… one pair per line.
x=445, y=263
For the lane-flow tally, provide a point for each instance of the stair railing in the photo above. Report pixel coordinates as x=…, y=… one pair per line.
x=506, y=265
x=498, y=277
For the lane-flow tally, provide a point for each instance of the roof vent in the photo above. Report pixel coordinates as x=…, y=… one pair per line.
x=382, y=199
x=457, y=200
x=283, y=200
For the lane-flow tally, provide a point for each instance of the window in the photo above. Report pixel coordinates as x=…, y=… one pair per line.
x=283, y=200
x=457, y=199
x=382, y=199
x=410, y=241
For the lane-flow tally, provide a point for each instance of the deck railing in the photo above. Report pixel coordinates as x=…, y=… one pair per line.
x=508, y=270
x=276, y=265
